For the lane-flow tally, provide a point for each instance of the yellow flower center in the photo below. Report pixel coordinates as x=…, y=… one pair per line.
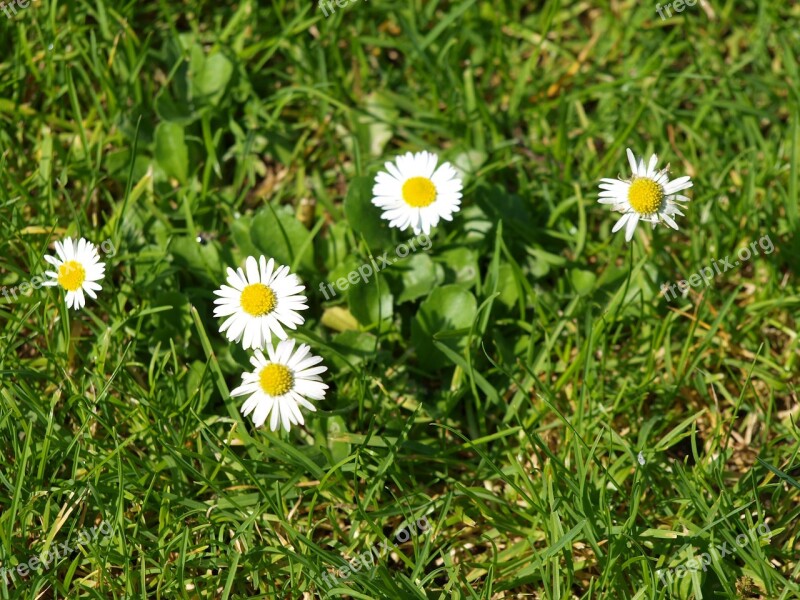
x=419, y=192
x=71, y=275
x=258, y=299
x=645, y=195
x=276, y=379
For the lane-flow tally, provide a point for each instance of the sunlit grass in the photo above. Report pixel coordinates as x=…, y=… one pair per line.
x=498, y=383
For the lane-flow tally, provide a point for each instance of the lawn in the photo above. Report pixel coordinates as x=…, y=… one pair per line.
x=517, y=401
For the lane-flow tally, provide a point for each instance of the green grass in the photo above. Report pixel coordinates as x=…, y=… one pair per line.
x=498, y=386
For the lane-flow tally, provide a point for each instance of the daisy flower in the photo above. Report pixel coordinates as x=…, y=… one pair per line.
x=647, y=196
x=78, y=269
x=259, y=302
x=280, y=384
x=414, y=193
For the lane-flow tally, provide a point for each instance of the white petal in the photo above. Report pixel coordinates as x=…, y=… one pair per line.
x=632, y=162
x=676, y=185
x=651, y=168
x=669, y=221
x=631, y=227
x=263, y=409
x=619, y=224
x=273, y=421
x=285, y=414
x=253, y=275
x=235, y=281
x=237, y=327
x=60, y=251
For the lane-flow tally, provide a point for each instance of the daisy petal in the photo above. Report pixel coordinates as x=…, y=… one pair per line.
x=631, y=227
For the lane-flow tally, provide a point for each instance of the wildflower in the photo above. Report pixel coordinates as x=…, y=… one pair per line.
x=648, y=196
x=78, y=269
x=281, y=383
x=414, y=193
x=259, y=302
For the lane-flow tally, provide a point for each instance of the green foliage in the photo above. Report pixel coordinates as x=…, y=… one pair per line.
x=499, y=383
x=446, y=314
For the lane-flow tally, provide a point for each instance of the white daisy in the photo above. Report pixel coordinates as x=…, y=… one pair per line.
x=259, y=303
x=414, y=193
x=78, y=269
x=648, y=196
x=280, y=385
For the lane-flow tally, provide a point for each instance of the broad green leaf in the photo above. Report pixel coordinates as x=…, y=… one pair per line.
x=342, y=277
x=460, y=265
x=582, y=281
x=336, y=428
x=416, y=275
x=363, y=216
x=353, y=348
x=168, y=109
x=448, y=309
x=467, y=163
x=210, y=76
x=171, y=153
x=507, y=285
x=278, y=234
x=371, y=303
x=240, y=232
x=374, y=125
x=200, y=259
x=334, y=247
